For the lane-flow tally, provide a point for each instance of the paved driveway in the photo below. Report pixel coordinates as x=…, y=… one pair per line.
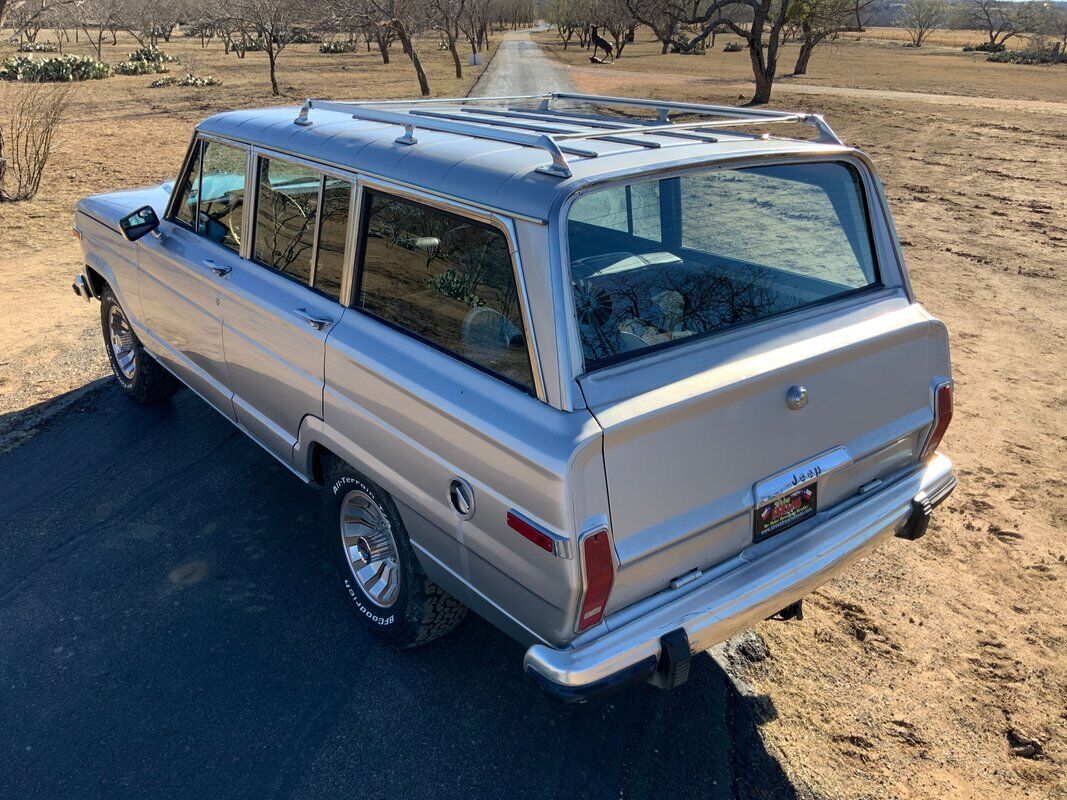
x=520, y=67
x=169, y=627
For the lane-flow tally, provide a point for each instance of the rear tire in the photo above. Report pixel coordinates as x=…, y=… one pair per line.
x=389, y=591
x=141, y=377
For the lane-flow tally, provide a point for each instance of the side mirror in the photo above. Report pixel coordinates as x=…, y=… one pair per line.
x=137, y=224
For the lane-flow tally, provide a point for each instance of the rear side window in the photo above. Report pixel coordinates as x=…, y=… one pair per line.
x=446, y=279
x=656, y=262
x=286, y=215
x=302, y=224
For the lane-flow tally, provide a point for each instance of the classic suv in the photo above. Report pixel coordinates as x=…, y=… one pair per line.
x=623, y=376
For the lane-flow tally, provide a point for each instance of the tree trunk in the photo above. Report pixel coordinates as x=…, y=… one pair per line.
x=455, y=57
x=416, y=62
x=272, y=58
x=383, y=48
x=806, y=49
x=420, y=73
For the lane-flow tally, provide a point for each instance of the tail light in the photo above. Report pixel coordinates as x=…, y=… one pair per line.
x=942, y=417
x=598, y=566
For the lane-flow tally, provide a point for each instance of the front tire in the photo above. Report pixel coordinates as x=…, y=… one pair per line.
x=140, y=376
x=388, y=589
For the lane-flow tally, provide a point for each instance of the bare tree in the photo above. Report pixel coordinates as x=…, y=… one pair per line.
x=998, y=19
x=98, y=18
x=816, y=21
x=920, y=18
x=446, y=16
x=615, y=17
x=405, y=18
x=763, y=34
x=566, y=16
x=273, y=22
x=27, y=134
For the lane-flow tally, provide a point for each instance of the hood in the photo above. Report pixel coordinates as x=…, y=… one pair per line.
x=111, y=207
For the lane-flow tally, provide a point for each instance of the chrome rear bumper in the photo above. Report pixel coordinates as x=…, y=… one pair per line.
x=752, y=586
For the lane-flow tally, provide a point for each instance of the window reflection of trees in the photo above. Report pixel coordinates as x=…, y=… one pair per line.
x=664, y=304
x=285, y=218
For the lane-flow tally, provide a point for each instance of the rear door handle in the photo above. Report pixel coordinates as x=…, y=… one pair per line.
x=218, y=269
x=318, y=323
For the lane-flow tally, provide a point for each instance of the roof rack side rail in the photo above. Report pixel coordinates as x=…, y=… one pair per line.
x=741, y=115
x=369, y=112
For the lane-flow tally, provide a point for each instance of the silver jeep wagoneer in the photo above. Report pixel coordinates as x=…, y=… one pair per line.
x=623, y=376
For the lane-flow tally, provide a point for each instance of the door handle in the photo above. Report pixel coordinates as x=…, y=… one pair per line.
x=318, y=323
x=218, y=269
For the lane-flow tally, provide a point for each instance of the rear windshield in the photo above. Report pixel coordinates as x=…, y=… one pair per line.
x=657, y=261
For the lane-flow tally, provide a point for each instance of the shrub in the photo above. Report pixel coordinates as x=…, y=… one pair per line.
x=1025, y=57
x=37, y=47
x=985, y=47
x=339, y=47
x=55, y=69
x=304, y=36
x=145, y=61
x=188, y=80
x=27, y=130
x=733, y=47
x=256, y=45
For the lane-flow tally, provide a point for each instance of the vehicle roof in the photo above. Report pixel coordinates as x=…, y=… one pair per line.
x=482, y=171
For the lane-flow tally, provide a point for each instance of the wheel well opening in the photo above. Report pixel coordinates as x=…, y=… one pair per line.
x=96, y=281
x=319, y=457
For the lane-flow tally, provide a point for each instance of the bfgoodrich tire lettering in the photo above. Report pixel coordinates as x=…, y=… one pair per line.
x=397, y=602
x=140, y=376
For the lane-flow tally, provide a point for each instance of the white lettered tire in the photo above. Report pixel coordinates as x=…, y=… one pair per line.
x=383, y=580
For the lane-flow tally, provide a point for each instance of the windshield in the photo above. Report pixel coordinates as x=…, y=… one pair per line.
x=658, y=261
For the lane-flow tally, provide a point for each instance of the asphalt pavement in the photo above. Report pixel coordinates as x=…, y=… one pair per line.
x=170, y=627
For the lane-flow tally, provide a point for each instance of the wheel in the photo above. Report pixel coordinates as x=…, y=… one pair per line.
x=389, y=591
x=140, y=376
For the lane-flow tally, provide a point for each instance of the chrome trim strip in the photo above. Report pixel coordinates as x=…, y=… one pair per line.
x=802, y=474
x=561, y=545
x=352, y=172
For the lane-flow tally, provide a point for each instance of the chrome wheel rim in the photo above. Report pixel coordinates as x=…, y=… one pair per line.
x=370, y=548
x=120, y=337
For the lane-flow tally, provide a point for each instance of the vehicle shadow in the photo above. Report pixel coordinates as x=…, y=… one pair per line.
x=173, y=629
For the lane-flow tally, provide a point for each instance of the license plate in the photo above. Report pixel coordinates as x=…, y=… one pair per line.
x=789, y=509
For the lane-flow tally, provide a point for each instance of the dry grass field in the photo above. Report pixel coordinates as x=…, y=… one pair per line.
x=120, y=133
x=910, y=675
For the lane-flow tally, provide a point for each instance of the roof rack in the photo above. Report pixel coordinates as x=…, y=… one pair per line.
x=555, y=130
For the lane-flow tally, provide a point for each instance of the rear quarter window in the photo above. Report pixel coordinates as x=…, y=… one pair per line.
x=446, y=279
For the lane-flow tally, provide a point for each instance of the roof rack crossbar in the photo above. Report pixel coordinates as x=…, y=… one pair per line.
x=517, y=126
x=572, y=119
x=509, y=123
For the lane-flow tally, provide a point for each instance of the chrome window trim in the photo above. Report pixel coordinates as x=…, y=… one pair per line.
x=883, y=239
x=329, y=166
x=169, y=212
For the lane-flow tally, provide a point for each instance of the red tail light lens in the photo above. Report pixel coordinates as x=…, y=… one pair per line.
x=599, y=567
x=942, y=417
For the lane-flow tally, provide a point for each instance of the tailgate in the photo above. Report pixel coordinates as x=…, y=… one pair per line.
x=690, y=433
